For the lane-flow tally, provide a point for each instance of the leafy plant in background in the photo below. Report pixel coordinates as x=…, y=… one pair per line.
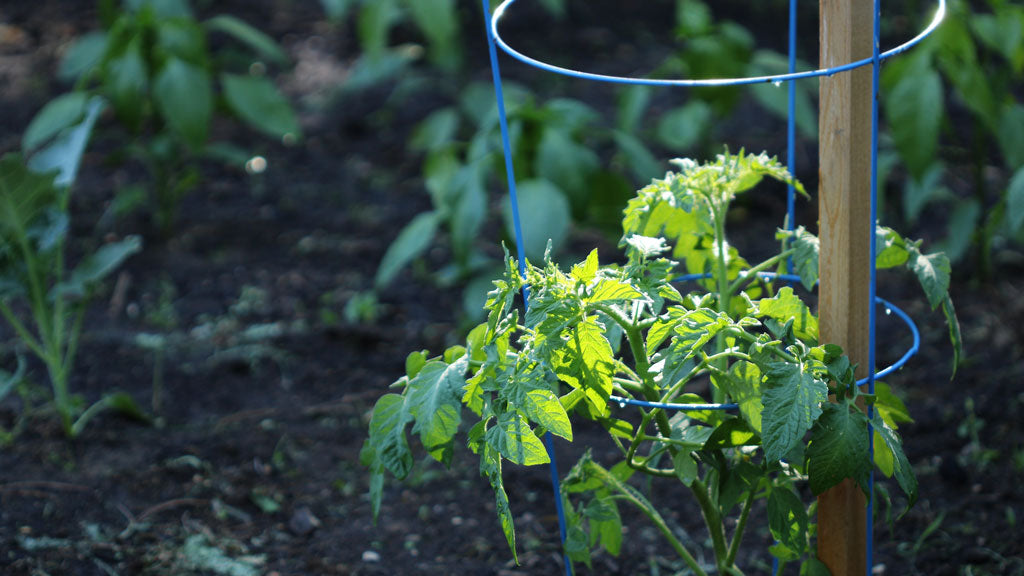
x=152, y=63
x=737, y=335
x=979, y=54
x=560, y=179
x=35, y=280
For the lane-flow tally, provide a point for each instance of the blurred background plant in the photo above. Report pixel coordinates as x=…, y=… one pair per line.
x=152, y=62
x=976, y=57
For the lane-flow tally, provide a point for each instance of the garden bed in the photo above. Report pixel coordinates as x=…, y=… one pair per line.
x=261, y=387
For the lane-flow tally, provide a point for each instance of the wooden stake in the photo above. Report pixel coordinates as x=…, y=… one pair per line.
x=844, y=212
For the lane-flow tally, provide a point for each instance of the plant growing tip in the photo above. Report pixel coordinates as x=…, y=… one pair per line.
x=752, y=342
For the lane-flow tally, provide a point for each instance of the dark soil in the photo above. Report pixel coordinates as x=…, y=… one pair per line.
x=262, y=389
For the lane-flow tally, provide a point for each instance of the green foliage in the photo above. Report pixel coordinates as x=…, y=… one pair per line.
x=565, y=360
x=976, y=58
x=34, y=276
x=152, y=65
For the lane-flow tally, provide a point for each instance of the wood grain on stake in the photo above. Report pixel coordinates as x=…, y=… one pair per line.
x=844, y=213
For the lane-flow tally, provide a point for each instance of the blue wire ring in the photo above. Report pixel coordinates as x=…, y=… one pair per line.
x=499, y=12
x=789, y=278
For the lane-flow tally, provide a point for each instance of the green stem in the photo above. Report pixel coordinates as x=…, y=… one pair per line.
x=652, y=514
x=724, y=292
x=752, y=273
x=713, y=520
x=22, y=332
x=741, y=526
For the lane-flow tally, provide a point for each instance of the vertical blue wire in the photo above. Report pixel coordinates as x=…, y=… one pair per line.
x=517, y=228
x=875, y=74
x=791, y=130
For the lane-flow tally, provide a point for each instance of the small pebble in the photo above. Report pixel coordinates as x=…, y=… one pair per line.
x=371, y=556
x=304, y=522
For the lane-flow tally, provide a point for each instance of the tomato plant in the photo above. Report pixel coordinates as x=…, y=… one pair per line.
x=596, y=338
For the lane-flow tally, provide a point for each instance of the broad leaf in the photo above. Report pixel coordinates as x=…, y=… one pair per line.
x=516, y=441
x=544, y=408
x=1015, y=202
x=543, y=216
x=839, y=448
x=412, y=241
x=915, y=107
x=695, y=329
x=259, y=42
x=64, y=153
x=587, y=362
x=183, y=94
x=257, y=102
x=792, y=402
x=743, y=385
x=62, y=112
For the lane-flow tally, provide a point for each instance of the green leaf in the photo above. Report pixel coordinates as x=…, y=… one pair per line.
x=642, y=164
x=954, y=332
x=259, y=42
x=436, y=131
x=544, y=408
x=605, y=523
x=1010, y=135
x=433, y=399
x=683, y=128
x=183, y=94
x=805, y=259
x=97, y=266
x=695, y=329
x=375, y=21
x=923, y=189
x=62, y=112
x=388, y=443
x=1015, y=202
x=490, y=465
x=932, y=271
x=257, y=102
x=609, y=290
x=787, y=518
x=814, y=567
x=23, y=197
x=9, y=380
x=586, y=271
x=439, y=22
x=587, y=362
x=544, y=215
x=890, y=248
x=731, y=433
x=83, y=56
x=902, y=469
x=161, y=8
x=685, y=467
x=515, y=440
x=64, y=153
x=632, y=102
x=743, y=385
x=412, y=241
x=785, y=306
x=792, y=401
x=839, y=448
x=125, y=81
x=915, y=107
x=892, y=410
x=566, y=163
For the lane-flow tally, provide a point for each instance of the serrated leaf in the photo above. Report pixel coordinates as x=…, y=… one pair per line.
x=792, y=401
x=388, y=442
x=587, y=362
x=890, y=248
x=609, y=290
x=892, y=410
x=839, y=449
x=805, y=259
x=412, y=241
x=544, y=408
x=786, y=306
x=433, y=399
x=902, y=470
x=586, y=271
x=743, y=385
x=490, y=465
x=695, y=329
x=515, y=440
x=24, y=195
x=259, y=104
x=183, y=93
x=932, y=271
